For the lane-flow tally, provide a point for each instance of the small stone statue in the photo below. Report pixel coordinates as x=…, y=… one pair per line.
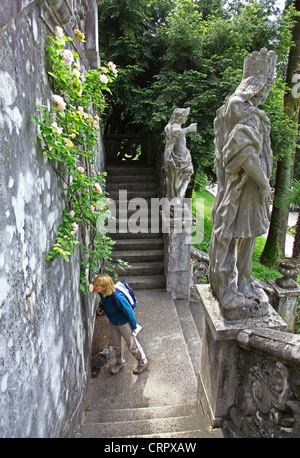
x=177, y=158
x=243, y=165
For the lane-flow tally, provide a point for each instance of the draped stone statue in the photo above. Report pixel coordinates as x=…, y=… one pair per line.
x=177, y=158
x=243, y=165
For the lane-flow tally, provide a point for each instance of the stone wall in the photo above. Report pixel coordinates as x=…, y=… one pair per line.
x=267, y=402
x=46, y=324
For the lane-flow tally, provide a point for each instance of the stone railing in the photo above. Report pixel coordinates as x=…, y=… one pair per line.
x=267, y=400
x=199, y=270
x=249, y=378
x=283, y=293
x=199, y=266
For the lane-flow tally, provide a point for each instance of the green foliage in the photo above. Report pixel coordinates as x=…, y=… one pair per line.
x=283, y=129
x=297, y=320
x=70, y=135
x=189, y=53
x=208, y=200
x=290, y=196
x=258, y=270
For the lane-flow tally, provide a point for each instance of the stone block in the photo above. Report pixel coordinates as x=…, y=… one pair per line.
x=218, y=377
x=286, y=303
x=223, y=329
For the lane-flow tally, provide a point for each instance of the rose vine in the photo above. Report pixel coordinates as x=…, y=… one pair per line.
x=70, y=135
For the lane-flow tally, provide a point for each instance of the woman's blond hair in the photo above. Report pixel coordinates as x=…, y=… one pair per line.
x=105, y=280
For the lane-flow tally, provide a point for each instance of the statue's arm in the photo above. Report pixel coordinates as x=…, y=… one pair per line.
x=179, y=132
x=252, y=167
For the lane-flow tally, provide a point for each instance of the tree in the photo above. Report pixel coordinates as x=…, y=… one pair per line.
x=275, y=245
x=284, y=201
x=187, y=54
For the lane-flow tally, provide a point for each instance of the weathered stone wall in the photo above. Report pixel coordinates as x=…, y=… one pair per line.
x=46, y=324
x=267, y=400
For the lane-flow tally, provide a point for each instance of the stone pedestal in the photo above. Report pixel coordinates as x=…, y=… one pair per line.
x=177, y=255
x=177, y=266
x=218, y=375
x=286, y=303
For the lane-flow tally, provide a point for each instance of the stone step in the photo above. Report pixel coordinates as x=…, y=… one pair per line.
x=198, y=316
x=134, y=206
x=138, y=229
x=142, y=268
x=143, y=220
x=124, y=210
x=140, y=244
x=144, y=250
x=161, y=403
x=146, y=422
x=128, y=179
x=132, y=186
x=138, y=256
x=190, y=330
x=129, y=170
x=135, y=224
x=133, y=194
x=144, y=282
x=141, y=413
x=135, y=227
x=130, y=235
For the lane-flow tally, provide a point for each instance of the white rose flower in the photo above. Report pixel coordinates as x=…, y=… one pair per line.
x=98, y=188
x=59, y=33
x=77, y=72
x=68, y=56
x=112, y=67
x=56, y=129
x=59, y=101
x=103, y=79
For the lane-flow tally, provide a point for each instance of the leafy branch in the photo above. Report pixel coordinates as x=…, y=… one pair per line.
x=69, y=133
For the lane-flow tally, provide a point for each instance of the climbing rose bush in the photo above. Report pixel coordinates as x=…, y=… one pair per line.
x=69, y=133
x=60, y=103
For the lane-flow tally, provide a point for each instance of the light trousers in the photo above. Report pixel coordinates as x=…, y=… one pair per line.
x=125, y=331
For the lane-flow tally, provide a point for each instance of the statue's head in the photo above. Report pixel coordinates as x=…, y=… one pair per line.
x=261, y=65
x=180, y=115
x=259, y=74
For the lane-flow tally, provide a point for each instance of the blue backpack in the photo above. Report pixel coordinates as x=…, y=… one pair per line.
x=124, y=288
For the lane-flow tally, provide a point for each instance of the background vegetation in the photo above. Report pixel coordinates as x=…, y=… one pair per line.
x=189, y=54
x=263, y=273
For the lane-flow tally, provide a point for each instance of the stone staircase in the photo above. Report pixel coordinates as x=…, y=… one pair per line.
x=186, y=421
x=162, y=401
x=142, y=249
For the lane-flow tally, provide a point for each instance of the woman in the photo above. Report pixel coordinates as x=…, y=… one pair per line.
x=122, y=323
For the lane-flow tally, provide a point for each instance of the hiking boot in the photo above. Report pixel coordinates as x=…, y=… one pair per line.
x=115, y=369
x=141, y=368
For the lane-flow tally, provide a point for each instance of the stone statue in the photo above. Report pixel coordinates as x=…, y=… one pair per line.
x=177, y=158
x=243, y=165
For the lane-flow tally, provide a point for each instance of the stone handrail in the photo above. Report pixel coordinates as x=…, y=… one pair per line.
x=267, y=402
x=281, y=345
